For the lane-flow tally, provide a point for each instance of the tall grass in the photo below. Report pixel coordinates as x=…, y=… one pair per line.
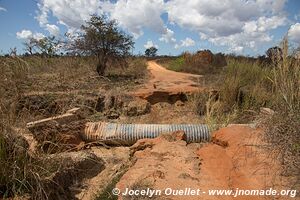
x=286, y=80
x=242, y=89
x=21, y=172
x=17, y=172
x=283, y=128
x=246, y=86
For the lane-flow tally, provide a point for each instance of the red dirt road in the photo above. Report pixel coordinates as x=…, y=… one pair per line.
x=164, y=80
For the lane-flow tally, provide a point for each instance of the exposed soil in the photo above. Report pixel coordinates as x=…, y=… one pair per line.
x=167, y=86
x=116, y=160
x=240, y=162
x=236, y=157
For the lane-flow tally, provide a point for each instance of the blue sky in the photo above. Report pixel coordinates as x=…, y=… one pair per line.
x=246, y=27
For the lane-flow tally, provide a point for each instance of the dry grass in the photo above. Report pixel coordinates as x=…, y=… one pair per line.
x=283, y=128
x=238, y=95
x=18, y=172
x=245, y=87
x=33, y=88
x=203, y=62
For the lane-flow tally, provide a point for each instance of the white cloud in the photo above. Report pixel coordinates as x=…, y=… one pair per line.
x=134, y=15
x=150, y=44
x=271, y=5
x=269, y=23
x=72, y=13
x=168, y=36
x=187, y=42
x=294, y=33
x=3, y=9
x=38, y=36
x=53, y=29
x=237, y=49
x=232, y=23
x=26, y=34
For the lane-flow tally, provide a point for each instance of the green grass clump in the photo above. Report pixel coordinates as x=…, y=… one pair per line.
x=177, y=64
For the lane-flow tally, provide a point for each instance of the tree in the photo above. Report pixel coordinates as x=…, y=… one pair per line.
x=102, y=38
x=30, y=45
x=274, y=53
x=46, y=46
x=151, y=52
x=13, y=52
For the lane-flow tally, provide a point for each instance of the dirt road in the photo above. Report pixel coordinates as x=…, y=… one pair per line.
x=163, y=80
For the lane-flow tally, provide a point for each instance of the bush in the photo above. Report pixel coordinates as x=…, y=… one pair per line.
x=177, y=64
x=283, y=133
x=202, y=62
x=136, y=69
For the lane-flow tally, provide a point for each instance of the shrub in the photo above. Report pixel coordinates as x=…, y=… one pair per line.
x=177, y=64
x=202, y=62
x=137, y=69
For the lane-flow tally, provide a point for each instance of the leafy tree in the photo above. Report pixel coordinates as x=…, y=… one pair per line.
x=151, y=52
x=102, y=38
x=30, y=45
x=46, y=46
x=274, y=53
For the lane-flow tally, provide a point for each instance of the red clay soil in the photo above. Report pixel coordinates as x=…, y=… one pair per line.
x=236, y=158
x=241, y=162
x=171, y=82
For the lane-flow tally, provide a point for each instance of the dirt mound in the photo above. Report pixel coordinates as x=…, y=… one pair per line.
x=236, y=158
x=162, y=162
x=205, y=57
x=204, y=61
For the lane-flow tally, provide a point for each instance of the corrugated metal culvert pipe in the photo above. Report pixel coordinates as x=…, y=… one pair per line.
x=127, y=134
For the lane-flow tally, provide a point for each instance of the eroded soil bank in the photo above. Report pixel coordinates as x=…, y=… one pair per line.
x=236, y=158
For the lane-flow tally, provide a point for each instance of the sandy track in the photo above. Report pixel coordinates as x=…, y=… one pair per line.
x=164, y=80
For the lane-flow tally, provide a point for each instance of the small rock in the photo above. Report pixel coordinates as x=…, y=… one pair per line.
x=179, y=103
x=162, y=105
x=266, y=111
